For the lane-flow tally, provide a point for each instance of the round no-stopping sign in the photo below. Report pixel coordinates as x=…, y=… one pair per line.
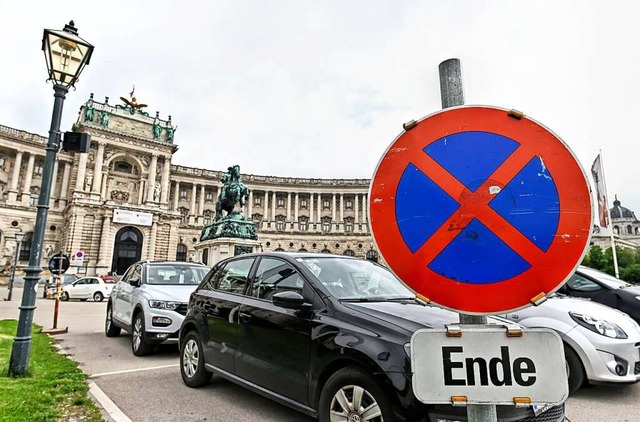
x=480, y=210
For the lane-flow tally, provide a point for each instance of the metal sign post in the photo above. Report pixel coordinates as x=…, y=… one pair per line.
x=58, y=265
x=452, y=95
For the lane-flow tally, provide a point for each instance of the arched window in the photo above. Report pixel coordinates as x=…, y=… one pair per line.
x=372, y=255
x=629, y=229
x=637, y=230
x=325, y=250
x=302, y=250
x=279, y=250
x=25, y=247
x=616, y=230
x=349, y=252
x=181, y=252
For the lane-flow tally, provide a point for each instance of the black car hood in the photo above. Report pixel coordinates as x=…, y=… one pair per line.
x=410, y=316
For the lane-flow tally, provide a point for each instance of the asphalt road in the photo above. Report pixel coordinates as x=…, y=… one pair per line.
x=150, y=388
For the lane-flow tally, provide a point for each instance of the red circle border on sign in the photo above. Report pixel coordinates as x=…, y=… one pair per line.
x=550, y=269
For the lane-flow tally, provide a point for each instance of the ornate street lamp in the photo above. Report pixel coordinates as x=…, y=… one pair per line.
x=19, y=237
x=66, y=55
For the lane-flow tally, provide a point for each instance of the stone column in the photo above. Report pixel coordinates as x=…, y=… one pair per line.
x=64, y=190
x=141, y=191
x=26, y=187
x=54, y=180
x=97, y=170
x=364, y=207
x=333, y=207
x=176, y=195
x=250, y=205
x=82, y=171
x=105, y=183
x=151, y=181
x=265, y=206
x=355, y=208
x=164, y=182
x=192, y=204
x=105, y=242
x=273, y=206
x=153, y=238
x=201, y=205
x=288, y=206
x=15, y=177
x=311, y=219
x=296, y=207
x=342, y=208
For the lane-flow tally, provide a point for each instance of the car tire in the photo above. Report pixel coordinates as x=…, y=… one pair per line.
x=98, y=297
x=575, y=371
x=64, y=296
x=339, y=397
x=110, y=329
x=194, y=374
x=139, y=345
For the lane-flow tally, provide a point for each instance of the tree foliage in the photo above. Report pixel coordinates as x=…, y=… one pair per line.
x=628, y=262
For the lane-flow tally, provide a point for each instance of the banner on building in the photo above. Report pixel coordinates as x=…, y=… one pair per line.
x=132, y=217
x=601, y=191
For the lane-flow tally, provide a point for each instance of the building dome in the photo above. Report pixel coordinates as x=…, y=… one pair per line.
x=620, y=212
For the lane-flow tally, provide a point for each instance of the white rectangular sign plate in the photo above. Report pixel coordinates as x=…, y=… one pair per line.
x=132, y=217
x=487, y=367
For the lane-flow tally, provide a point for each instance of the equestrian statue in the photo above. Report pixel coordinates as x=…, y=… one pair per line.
x=233, y=192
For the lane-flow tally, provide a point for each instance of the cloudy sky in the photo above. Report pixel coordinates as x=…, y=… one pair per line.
x=320, y=88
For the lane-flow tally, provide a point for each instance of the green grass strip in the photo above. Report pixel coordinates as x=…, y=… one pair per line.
x=54, y=389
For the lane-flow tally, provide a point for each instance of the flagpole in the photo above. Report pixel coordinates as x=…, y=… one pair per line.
x=613, y=243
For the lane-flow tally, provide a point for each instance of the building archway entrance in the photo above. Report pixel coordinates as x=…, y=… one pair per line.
x=127, y=249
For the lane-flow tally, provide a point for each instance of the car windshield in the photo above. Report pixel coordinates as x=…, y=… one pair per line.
x=357, y=279
x=604, y=278
x=176, y=274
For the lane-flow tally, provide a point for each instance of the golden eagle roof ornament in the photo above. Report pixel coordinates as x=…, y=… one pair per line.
x=133, y=103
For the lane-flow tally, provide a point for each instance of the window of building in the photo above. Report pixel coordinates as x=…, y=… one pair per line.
x=205, y=256
x=257, y=201
x=280, y=220
x=280, y=202
x=25, y=247
x=348, y=225
x=372, y=255
x=349, y=252
x=256, y=218
x=208, y=217
x=326, y=224
x=208, y=196
x=326, y=204
x=183, y=193
x=616, y=230
x=2, y=161
x=181, y=252
x=629, y=229
x=37, y=169
x=348, y=204
x=122, y=167
x=325, y=250
x=304, y=204
x=184, y=213
x=637, y=230
x=303, y=224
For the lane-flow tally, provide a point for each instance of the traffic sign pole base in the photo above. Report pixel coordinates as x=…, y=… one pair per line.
x=54, y=331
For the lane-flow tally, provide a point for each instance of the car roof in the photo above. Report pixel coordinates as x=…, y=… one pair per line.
x=197, y=264
x=294, y=255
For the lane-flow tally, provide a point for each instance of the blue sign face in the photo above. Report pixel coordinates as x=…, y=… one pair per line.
x=529, y=202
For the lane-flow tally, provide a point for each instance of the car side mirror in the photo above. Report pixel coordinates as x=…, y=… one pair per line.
x=290, y=300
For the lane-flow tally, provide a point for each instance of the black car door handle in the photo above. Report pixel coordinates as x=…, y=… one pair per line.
x=244, y=317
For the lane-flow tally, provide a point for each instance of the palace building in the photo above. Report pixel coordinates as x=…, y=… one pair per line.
x=125, y=200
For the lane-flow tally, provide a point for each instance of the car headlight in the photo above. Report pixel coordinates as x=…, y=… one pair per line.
x=600, y=326
x=163, y=304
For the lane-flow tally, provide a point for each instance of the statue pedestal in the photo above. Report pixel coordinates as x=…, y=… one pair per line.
x=231, y=235
x=210, y=252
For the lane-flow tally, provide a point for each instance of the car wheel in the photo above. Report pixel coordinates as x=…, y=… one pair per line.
x=575, y=372
x=139, y=345
x=110, y=329
x=98, y=297
x=351, y=394
x=64, y=296
x=192, y=369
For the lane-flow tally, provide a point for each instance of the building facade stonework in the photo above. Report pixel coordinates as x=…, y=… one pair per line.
x=125, y=200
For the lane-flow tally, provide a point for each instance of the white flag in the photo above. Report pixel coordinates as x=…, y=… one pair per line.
x=601, y=191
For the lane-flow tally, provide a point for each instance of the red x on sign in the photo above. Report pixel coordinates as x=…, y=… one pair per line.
x=479, y=211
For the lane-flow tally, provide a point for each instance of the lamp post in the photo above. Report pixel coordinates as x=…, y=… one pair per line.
x=19, y=237
x=66, y=55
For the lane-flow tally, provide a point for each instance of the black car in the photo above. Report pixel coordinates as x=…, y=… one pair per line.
x=326, y=335
x=603, y=288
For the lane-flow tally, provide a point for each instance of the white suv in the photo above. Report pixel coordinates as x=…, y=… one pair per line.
x=150, y=302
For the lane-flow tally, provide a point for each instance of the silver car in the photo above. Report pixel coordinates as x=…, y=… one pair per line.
x=150, y=302
x=602, y=344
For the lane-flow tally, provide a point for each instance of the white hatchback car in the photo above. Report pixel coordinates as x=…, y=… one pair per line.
x=602, y=344
x=87, y=288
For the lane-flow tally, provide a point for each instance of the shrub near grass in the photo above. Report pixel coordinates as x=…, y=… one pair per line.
x=54, y=389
